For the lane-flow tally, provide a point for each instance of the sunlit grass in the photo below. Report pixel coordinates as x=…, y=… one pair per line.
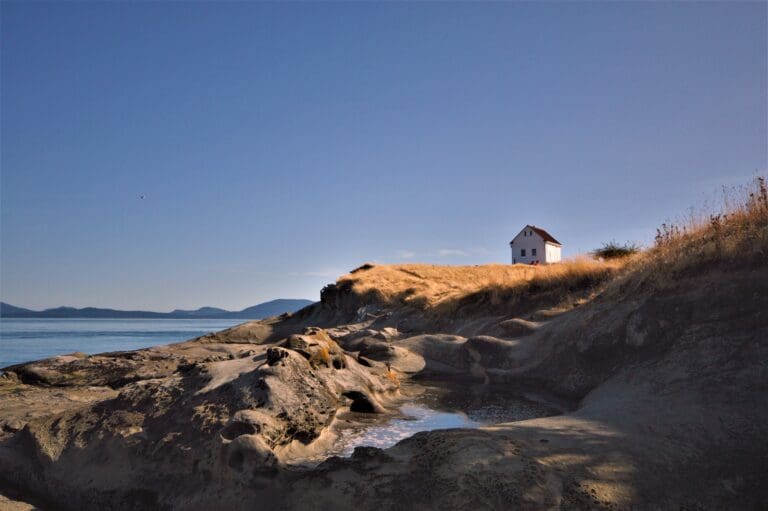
x=734, y=233
x=436, y=287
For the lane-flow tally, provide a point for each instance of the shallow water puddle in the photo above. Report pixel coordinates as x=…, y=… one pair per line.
x=416, y=418
x=432, y=406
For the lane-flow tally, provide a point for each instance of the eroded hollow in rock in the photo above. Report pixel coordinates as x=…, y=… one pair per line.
x=360, y=402
x=237, y=429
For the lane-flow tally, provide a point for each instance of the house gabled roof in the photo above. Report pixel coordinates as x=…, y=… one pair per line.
x=544, y=234
x=541, y=232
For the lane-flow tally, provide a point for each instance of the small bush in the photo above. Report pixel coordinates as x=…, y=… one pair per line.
x=613, y=250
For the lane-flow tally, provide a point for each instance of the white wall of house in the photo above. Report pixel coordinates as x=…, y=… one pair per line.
x=528, y=247
x=553, y=253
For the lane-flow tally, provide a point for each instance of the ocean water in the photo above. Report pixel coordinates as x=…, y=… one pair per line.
x=23, y=340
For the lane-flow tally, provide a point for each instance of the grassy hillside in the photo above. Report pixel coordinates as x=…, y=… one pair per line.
x=733, y=234
x=442, y=288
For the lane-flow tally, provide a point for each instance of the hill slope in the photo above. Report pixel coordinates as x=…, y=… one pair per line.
x=7, y=309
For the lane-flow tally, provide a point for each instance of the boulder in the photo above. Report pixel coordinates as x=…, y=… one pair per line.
x=275, y=355
x=518, y=327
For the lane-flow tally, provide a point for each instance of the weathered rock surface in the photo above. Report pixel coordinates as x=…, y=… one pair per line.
x=205, y=418
x=670, y=385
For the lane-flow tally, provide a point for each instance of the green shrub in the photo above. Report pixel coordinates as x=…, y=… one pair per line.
x=613, y=250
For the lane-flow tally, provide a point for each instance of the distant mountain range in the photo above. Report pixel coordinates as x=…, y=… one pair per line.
x=260, y=311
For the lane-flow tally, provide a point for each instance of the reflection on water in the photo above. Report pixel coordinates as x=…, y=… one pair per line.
x=443, y=405
x=416, y=418
x=490, y=403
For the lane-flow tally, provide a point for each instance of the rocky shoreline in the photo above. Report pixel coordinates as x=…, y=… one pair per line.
x=663, y=394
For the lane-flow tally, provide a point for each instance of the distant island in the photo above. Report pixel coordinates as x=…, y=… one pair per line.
x=260, y=311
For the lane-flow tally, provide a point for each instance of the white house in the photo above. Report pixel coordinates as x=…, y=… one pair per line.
x=534, y=245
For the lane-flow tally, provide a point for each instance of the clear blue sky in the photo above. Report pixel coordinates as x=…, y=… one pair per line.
x=279, y=145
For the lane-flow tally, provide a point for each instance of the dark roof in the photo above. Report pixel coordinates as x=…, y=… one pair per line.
x=544, y=234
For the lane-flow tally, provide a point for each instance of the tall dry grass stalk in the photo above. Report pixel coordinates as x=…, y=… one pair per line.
x=728, y=234
x=733, y=230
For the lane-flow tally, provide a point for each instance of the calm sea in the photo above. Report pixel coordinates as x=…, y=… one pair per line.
x=22, y=340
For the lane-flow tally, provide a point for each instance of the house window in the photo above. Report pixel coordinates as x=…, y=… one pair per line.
x=533, y=251
x=522, y=252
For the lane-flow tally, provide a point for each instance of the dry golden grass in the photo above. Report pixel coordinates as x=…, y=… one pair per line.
x=734, y=233
x=443, y=288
